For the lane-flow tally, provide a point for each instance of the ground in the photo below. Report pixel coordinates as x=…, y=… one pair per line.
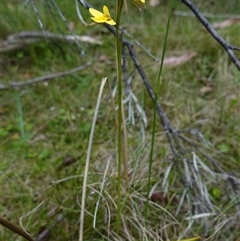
x=45, y=127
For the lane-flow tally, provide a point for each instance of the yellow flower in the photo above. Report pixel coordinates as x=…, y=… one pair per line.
x=139, y=4
x=104, y=17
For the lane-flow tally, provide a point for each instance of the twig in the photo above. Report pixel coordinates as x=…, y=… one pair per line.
x=37, y=14
x=141, y=46
x=67, y=25
x=15, y=229
x=21, y=39
x=208, y=15
x=229, y=48
x=44, y=78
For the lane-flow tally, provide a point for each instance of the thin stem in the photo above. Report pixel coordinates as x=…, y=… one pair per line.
x=155, y=108
x=119, y=127
x=228, y=48
x=21, y=119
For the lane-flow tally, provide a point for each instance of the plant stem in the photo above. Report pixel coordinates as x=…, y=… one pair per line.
x=155, y=107
x=119, y=83
x=20, y=114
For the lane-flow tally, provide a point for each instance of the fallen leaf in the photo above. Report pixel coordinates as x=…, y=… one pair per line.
x=71, y=25
x=97, y=69
x=158, y=197
x=226, y=23
x=103, y=58
x=15, y=137
x=167, y=103
x=177, y=60
x=38, y=138
x=68, y=160
x=86, y=39
x=27, y=75
x=205, y=90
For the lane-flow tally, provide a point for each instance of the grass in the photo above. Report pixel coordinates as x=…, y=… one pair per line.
x=43, y=126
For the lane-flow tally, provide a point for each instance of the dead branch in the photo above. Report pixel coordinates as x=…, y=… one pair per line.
x=22, y=39
x=183, y=149
x=15, y=229
x=44, y=78
x=173, y=135
x=208, y=15
x=228, y=47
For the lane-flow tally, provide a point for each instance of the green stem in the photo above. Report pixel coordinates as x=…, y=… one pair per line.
x=119, y=82
x=155, y=107
x=21, y=119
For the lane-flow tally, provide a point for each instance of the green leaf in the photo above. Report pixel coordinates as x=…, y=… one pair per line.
x=44, y=154
x=216, y=192
x=224, y=148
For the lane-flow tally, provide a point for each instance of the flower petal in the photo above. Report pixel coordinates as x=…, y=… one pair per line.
x=104, y=17
x=95, y=13
x=99, y=19
x=111, y=22
x=106, y=11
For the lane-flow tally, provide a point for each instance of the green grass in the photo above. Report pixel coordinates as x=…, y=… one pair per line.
x=42, y=124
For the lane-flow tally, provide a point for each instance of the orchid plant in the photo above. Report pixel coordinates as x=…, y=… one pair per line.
x=105, y=18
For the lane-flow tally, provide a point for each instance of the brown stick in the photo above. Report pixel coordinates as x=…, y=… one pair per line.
x=44, y=78
x=16, y=229
x=228, y=47
x=22, y=39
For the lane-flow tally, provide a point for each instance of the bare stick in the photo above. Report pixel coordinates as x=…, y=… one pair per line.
x=15, y=229
x=21, y=39
x=229, y=48
x=44, y=78
x=208, y=15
